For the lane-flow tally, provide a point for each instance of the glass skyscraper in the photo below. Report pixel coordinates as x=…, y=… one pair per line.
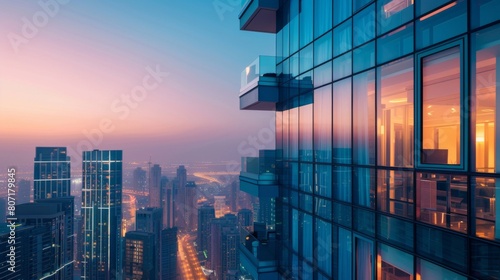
x=52, y=177
x=386, y=135
x=102, y=214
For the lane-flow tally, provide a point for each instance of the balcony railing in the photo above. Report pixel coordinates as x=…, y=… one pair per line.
x=259, y=15
x=258, y=174
x=258, y=257
x=259, y=85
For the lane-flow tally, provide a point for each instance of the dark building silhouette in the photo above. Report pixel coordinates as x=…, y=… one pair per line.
x=151, y=220
x=206, y=214
x=139, y=180
x=28, y=246
x=23, y=192
x=224, y=247
x=169, y=254
x=167, y=202
x=180, y=197
x=154, y=184
x=191, y=206
x=102, y=214
x=52, y=173
x=54, y=231
x=245, y=218
x=140, y=256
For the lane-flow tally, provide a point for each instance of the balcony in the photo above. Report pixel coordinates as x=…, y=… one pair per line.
x=259, y=15
x=259, y=85
x=258, y=257
x=258, y=175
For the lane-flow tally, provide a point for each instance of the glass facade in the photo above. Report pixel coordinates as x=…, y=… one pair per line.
x=387, y=156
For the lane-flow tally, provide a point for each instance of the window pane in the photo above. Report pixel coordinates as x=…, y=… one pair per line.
x=364, y=118
x=306, y=177
x=323, y=74
x=395, y=264
x=323, y=179
x=395, y=231
x=364, y=187
x=306, y=58
x=485, y=77
x=324, y=246
x=323, y=49
x=441, y=246
x=424, y=6
x=286, y=124
x=395, y=114
x=342, y=66
x=342, y=246
x=342, y=9
x=395, y=44
x=442, y=24
x=393, y=13
x=342, y=184
x=342, y=121
x=323, y=208
x=395, y=192
x=306, y=22
x=342, y=214
x=442, y=200
x=364, y=26
x=294, y=134
x=358, y=4
x=364, y=221
x=294, y=26
x=484, y=12
x=305, y=129
x=428, y=270
x=441, y=108
x=342, y=38
x=294, y=65
x=307, y=237
x=485, y=259
x=323, y=124
x=487, y=206
x=322, y=16
x=364, y=57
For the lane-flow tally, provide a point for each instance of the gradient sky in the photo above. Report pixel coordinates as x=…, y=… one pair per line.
x=65, y=78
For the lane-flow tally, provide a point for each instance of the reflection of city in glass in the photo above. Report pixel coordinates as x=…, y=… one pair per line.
x=377, y=175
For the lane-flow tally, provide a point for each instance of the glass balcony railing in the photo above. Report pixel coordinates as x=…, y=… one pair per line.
x=261, y=72
x=265, y=163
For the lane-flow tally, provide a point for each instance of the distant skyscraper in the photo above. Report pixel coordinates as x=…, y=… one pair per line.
x=79, y=241
x=169, y=254
x=155, y=186
x=206, y=214
x=139, y=181
x=167, y=202
x=50, y=216
x=23, y=192
x=234, y=196
x=140, y=256
x=150, y=220
x=180, y=197
x=191, y=206
x=102, y=214
x=224, y=244
x=52, y=175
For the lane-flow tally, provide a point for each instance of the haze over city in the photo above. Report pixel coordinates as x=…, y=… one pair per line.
x=83, y=64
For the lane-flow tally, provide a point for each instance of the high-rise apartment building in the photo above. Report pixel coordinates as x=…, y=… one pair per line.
x=52, y=173
x=180, y=197
x=206, y=214
x=167, y=202
x=223, y=249
x=139, y=179
x=140, y=256
x=386, y=143
x=102, y=214
x=191, y=206
x=169, y=254
x=154, y=183
x=151, y=220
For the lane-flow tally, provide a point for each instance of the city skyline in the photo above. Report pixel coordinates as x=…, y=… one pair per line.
x=89, y=54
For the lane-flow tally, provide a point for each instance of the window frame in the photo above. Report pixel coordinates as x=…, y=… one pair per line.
x=464, y=106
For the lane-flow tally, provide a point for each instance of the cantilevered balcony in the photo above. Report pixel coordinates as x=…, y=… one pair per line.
x=259, y=15
x=258, y=255
x=259, y=85
x=258, y=175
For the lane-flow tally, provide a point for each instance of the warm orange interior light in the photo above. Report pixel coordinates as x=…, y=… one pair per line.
x=438, y=11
